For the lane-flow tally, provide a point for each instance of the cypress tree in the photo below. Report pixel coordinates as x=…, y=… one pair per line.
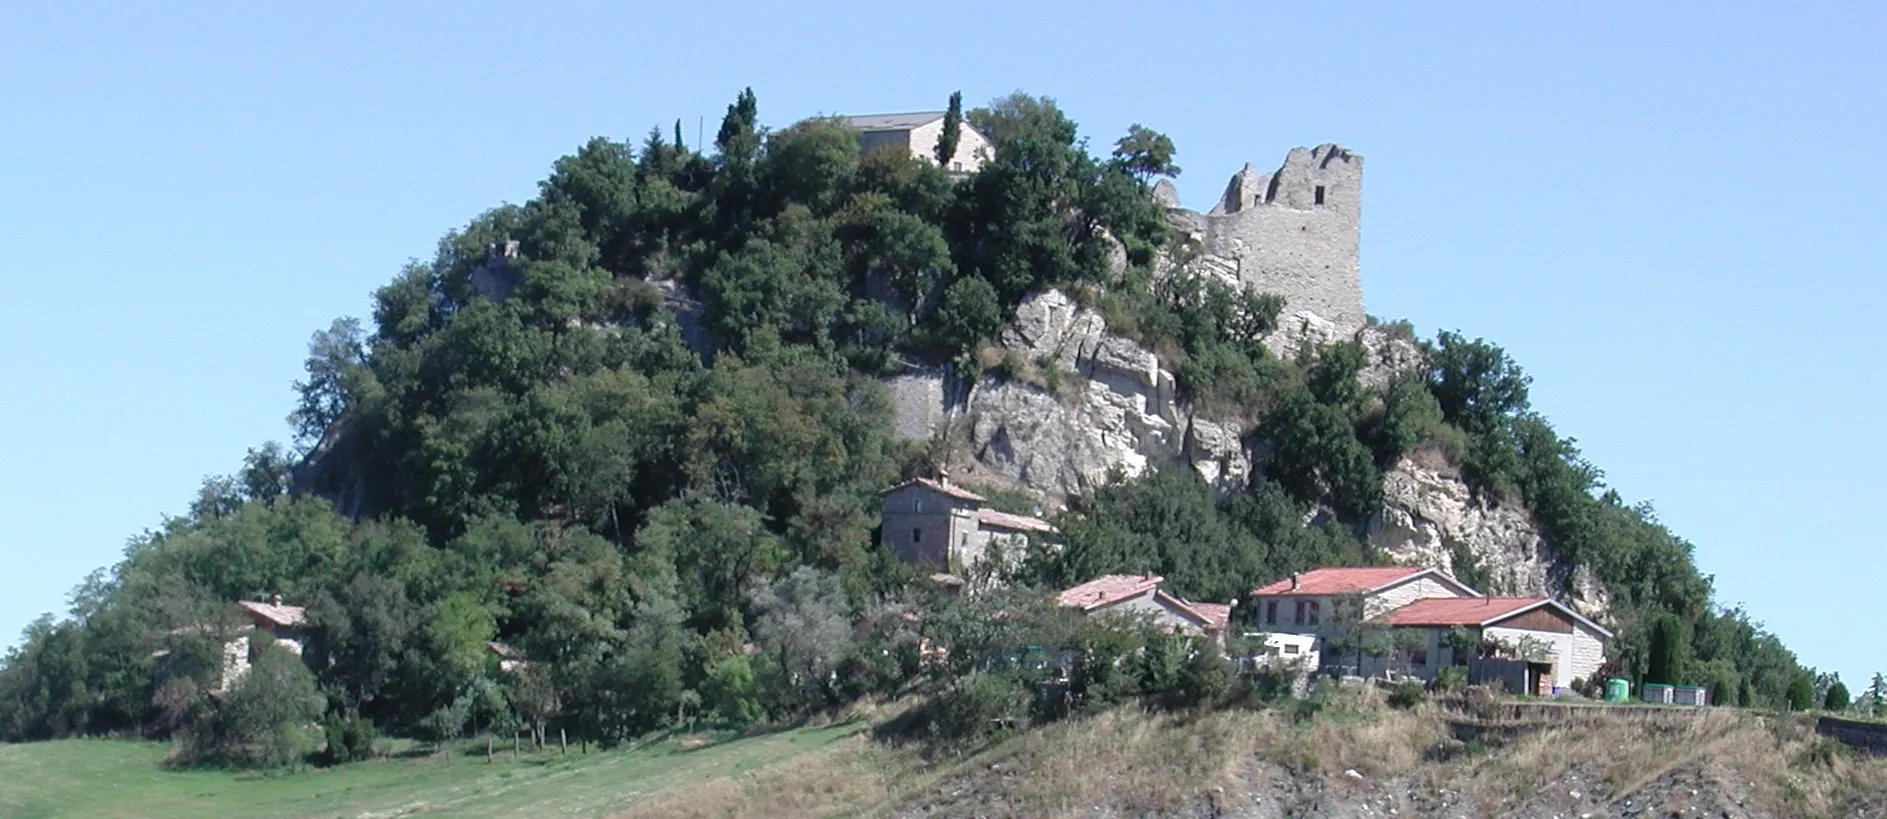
x=952, y=131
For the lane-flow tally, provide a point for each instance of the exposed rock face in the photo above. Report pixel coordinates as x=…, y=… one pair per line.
x=1429, y=514
x=1113, y=407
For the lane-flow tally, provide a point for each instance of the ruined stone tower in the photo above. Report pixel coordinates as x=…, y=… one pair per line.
x=1294, y=232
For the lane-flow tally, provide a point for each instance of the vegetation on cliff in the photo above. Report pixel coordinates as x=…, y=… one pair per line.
x=668, y=536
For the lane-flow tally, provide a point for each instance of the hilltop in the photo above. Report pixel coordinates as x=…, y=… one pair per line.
x=610, y=463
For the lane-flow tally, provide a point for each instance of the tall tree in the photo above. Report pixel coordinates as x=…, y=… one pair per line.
x=952, y=130
x=1145, y=153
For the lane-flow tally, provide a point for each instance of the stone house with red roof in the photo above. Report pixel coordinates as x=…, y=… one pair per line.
x=1321, y=600
x=1141, y=595
x=938, y=524
x=1571, y=646
x=1327, y=603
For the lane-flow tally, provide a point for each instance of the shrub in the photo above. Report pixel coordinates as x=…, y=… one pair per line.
x=1407, y=694
x=1204, y=678
x=348, y=740
x=977, y=707
x=262, y=722
x=1451, y=678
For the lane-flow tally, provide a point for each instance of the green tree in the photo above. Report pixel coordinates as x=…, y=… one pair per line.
x=265, y=718
x=1802, y=692
x=1837, y=697
x=1145, y=153
x=1670, y=651
x=335, y=376
x=952, y=134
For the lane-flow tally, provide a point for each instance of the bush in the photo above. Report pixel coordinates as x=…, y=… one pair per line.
x=1451, y=678
x=347, y=740
x=263, y=721
x=976, y=707
x=1204, y=678
x=1407, y=694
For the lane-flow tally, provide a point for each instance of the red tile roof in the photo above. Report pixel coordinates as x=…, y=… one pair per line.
x=1461, y=611
x=1004, y=520
x=1108, y=589
x=1342, y=581
x=957, y=492
x=1215, y=615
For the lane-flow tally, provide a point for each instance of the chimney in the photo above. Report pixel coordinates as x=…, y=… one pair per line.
x=1294, y=578
x=277, y=599
x=943, y=475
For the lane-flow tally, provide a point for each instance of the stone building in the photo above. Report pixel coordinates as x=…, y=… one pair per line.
x=1325, y=604
x=1141, y=596
x=938, y=524
x=918, y=133
x=1295, y=232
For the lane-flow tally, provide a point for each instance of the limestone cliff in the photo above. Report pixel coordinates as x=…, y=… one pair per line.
x=1084, y=403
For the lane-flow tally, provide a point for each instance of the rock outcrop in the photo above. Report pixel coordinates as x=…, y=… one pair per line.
x=1093, y=403
x=1087, y=403
x=1431, y=518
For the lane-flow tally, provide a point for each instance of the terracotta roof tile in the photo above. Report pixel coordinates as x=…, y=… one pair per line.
x=1108, y=589
x=1004, y=520
x=1342, y=581
x=957, y=492
x=1216, y=615
x=1460, y=611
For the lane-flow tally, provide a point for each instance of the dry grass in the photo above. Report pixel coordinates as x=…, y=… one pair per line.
x=835, y=781
x=1356, y=750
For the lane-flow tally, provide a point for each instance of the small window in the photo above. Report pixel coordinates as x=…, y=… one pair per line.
x=917, y=534
x=956, y=166
x=1419, y=658
x=1320, y=194
x=1291, y=648
x=1271, y=612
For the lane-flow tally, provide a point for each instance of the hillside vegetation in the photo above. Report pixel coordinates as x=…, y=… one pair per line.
x=672, y=538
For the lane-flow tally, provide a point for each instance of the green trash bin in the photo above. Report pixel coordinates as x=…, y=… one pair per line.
x=1617, y=690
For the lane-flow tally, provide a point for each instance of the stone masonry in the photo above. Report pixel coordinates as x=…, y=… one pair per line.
x=1295, y=232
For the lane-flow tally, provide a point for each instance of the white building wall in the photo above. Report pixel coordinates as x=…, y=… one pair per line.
x=1588, y=653
x=1575, y=656
x=1398, y=596
x=972, y=148
x=1145, y=604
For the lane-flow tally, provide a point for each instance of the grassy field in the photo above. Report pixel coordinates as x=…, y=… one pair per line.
x=110, y=778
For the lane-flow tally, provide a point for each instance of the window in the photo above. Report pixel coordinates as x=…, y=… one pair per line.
x=1299, y=618
x=956, y=166
x=1291, y=648
x=1271, y=612
x=1314, y=606
x=917, y=534
x=1419, y=658
x=1320, y=194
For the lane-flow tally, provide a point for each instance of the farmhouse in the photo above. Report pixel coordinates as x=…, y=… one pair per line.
x=1320, y=601
x=1531, y=644
x=1558, y=644
x=1141, y=595
x=918, y=133
x=939, y=524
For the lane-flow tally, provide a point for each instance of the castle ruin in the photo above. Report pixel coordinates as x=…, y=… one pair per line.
x=1294, y=232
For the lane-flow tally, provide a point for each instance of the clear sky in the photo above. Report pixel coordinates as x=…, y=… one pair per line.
x=1672, y=217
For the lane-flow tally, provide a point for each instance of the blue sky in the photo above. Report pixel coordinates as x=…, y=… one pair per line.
x=1671, y=217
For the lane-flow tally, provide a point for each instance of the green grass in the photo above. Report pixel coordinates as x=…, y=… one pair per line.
x=115, y=778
